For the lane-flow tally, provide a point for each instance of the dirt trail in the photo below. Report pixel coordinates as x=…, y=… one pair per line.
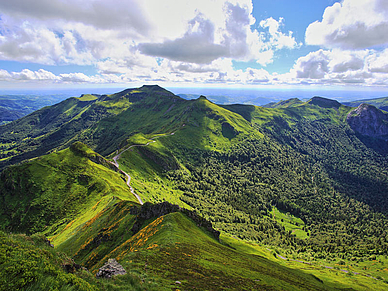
x=115, y=162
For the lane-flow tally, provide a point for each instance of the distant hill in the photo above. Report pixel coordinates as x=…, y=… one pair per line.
x=13, y=107
x=381, y=103
x=284, y=103
x=230, y=99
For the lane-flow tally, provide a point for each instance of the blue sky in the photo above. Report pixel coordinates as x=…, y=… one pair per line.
x=185, y=43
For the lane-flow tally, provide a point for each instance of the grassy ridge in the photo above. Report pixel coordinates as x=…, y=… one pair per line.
x=105, y=123
x=48, y=192
x=172, y=248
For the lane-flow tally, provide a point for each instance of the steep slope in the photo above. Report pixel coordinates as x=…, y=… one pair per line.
x=324, y=102
x=171, y=247
x=47, y=129
x=47, y=192
x=309, y=164
x=59, y=125
x=369, y=121
x=28, y=263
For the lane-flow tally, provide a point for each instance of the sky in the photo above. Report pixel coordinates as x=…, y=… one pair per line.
x=186, y=43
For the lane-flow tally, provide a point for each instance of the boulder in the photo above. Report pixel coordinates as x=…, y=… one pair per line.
x=110, y=269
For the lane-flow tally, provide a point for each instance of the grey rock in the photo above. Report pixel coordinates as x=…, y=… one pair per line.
x=110, y=269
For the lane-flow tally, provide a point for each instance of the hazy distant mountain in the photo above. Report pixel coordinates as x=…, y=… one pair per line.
x=13, y=107
x=381, y=103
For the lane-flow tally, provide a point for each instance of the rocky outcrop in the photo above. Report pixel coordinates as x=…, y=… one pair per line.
x=148, y=211
x=367, y=120
x=110, y=269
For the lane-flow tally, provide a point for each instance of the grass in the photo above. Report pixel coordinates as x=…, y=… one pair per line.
x=84, y=206
x=147, y=166
x=28, y=263
x=328, y=271
x=58, y=192
x=168, y=249
x=172, y=248
x=290, y=222
x=87, y=97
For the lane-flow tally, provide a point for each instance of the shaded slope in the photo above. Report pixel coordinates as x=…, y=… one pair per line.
x=309, y=163
x=237, y=165
x=324, y=102
x=105, y=124
x=58, y=125
x=171, y=248
x=369, y=121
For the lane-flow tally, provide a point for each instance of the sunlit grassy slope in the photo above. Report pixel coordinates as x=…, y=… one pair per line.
x=68, y=186
x=29, y=263
x=172, y=248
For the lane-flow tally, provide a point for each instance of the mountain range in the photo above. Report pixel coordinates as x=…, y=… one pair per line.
x=297, y=189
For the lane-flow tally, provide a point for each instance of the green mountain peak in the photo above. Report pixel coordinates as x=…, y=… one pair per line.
x=324, y=102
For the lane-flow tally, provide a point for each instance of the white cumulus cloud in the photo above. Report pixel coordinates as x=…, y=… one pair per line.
x=364, y=67
x=126, y=32
x=28, y=75
x=351, y=24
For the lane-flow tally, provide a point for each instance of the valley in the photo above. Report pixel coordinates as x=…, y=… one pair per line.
x=292, y=196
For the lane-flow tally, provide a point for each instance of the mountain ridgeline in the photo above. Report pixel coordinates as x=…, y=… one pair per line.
x=309, y=179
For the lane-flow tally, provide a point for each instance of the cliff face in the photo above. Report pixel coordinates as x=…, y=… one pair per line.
x=368, y=121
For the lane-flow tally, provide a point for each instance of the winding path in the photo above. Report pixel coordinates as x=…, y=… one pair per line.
x=116, y=157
